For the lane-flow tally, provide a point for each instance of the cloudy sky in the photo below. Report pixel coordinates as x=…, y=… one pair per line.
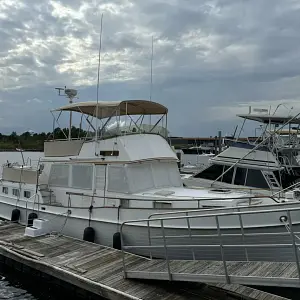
x=211, y=58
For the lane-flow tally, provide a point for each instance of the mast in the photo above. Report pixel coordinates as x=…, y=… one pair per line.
x=151, y=73
x=151, y=70
x=98, y=76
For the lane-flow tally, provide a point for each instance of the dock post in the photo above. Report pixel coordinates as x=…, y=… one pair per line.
x=220, y=141
x=216, y=145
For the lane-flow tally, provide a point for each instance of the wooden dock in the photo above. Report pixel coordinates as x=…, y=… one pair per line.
x=99, y=270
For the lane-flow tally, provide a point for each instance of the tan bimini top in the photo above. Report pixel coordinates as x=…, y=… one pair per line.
x=106, y=109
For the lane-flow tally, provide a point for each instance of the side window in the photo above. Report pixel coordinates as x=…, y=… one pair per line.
x=5, y=190
x=82, y=176
x=256, y=179
x=240, y=176
x=27, y=194
x=59, y=175
x=227, y=177
x=16, y=192
x=211, y=173
x=117, y=179
x=160, y=204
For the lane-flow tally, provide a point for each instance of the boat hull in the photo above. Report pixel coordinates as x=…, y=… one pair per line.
x=196, y=243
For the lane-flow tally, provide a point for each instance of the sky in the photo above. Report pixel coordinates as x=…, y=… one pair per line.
x=211, y=59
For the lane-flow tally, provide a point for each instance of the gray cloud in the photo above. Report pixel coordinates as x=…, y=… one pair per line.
x=208, y=57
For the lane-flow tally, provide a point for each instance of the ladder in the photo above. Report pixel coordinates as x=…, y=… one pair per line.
x=271, y=179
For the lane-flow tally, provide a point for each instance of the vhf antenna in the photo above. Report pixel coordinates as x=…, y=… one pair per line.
x=71, y=94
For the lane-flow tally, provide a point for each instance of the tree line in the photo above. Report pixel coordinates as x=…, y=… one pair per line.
x=35, y=141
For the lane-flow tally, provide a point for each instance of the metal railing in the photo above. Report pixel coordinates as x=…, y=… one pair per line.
x=200, y=211
x=242, y=240
x=248, y=200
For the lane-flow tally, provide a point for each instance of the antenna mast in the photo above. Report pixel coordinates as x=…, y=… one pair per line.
x=98, y=75
x=71, y=94
x=151, y=69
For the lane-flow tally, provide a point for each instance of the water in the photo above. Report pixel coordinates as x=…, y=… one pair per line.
x=9, y=291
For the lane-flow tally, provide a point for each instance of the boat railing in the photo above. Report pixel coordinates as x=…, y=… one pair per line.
x=118, y=131
x=187, y=212
x=224, y=236
x=246, y=200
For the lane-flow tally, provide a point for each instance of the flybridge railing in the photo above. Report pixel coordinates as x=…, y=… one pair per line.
x=253, y=235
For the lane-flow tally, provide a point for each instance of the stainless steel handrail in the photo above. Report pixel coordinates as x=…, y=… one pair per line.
x=213, y=215
x=249, y=198
x=238, y=208
x=285, y=219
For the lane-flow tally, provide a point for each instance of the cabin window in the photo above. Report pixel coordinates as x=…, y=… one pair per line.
x=140, y=177
x=163, y=205
x=227, y=177
x=211, y=173
x=16, y=192
x=124, y=203
x=82, y=176
x=174, y=175
x=27, y=194
x=240, y=176
x=117, y=179
x=166, y=174
x=256, y=179
x=109, y=153
x=100, y=177
x=59, y=175
x=5, y=190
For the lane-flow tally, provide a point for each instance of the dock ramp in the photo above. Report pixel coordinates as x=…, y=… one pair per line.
x=247, y=254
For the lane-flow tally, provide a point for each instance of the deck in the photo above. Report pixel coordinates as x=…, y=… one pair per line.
x=99, y=269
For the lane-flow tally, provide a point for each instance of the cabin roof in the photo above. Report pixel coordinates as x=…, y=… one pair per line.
x=105, y=109
x=271, y=119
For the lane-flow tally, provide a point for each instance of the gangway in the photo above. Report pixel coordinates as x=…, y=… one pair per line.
x=248, y=254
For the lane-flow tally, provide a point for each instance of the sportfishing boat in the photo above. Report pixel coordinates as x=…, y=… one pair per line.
x=266, y=165
x=87, y=187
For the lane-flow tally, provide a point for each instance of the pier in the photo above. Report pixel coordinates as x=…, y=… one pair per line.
x=99, y=270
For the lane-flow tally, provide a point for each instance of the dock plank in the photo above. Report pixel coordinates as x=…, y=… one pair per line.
x=99, y=269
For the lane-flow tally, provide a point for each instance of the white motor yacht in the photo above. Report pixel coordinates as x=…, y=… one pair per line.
x=87, y=187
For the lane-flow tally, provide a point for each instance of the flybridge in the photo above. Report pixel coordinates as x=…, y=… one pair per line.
x=264, y=115
x=115, y=117
x=106, y=126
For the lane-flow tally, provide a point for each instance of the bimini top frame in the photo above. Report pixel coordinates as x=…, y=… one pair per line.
x=106, y=109
x=116, y=109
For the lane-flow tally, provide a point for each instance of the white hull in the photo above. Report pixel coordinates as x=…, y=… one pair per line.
x=137, y=234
